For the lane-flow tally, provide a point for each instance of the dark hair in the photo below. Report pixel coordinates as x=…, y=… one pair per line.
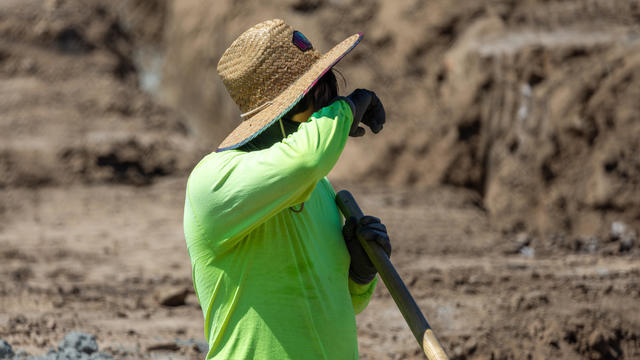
x=325, y=90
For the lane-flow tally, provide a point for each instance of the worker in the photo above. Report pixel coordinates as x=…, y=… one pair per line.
x=276, y=273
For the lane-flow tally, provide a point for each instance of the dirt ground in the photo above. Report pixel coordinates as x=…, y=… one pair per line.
x=508, y=174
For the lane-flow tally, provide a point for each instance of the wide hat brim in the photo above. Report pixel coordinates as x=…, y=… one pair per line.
x=265, y=117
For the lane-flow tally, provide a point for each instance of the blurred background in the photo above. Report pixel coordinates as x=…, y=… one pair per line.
x=508, y=172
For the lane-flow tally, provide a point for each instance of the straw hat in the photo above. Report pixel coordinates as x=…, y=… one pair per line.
x=268, y=70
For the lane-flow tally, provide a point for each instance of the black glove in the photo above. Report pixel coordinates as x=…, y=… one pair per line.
x=361, y=270
x=367, y=109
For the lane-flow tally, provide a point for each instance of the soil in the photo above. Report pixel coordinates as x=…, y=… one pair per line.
x=507, y=174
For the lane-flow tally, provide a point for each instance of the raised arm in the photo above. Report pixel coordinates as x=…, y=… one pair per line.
x=230, y=193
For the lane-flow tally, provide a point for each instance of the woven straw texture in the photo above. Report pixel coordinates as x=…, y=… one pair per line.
x=266, y=74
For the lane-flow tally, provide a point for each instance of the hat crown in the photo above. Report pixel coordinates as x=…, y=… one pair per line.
x=262, y=62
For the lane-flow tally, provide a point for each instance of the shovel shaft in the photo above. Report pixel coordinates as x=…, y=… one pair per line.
x=399, y=292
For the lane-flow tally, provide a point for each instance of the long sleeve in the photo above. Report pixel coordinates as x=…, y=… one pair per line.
x=232, y=192
x=361, y=294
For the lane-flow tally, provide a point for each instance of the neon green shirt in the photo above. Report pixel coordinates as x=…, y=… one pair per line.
x=273, y=283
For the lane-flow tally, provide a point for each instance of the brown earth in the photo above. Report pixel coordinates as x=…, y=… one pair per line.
x=508, y=172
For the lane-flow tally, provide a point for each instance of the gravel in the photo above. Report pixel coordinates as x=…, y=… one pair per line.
x=76, y=345
x=6, y=352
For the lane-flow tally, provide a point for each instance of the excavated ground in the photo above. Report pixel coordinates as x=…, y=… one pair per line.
x=507, y=174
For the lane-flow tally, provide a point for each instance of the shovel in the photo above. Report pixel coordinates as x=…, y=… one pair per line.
x=408, y=307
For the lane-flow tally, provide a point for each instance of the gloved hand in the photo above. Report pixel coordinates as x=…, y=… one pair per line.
x=361, y=270
x=368, y=110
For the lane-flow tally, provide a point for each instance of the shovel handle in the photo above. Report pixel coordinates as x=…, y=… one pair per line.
x=399, y=292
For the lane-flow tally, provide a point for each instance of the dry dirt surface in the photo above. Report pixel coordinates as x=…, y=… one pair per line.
x=508, y=174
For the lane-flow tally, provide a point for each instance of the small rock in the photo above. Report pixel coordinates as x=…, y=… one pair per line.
x=173, y=297
x=588, y=244
x=528, y=252
x=523, y=239
x=6, y=352
x=603, y=272
x=201, y=346
x=626, y=242
x=20, y=355
x=529, y=301
x=592, y=244
x=79, y=341
x=604, y=341
x=625, y=236
x=168, y=346
x=100, y=356
x=22, y=274
x=618, y=228
x=469, y=347
x=69, y=353
x=121, y=314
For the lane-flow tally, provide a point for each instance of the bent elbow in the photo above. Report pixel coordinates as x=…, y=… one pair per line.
x=314, y=165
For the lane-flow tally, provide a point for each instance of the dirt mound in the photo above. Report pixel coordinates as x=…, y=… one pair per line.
x=545, y=125
x=72, y=108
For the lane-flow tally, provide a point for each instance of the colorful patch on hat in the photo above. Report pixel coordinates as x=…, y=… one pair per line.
x=301, y=41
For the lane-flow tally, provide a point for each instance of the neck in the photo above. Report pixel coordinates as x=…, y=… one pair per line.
x=271, y=135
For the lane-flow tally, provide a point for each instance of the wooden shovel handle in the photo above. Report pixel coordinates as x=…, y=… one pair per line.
x=399, y=292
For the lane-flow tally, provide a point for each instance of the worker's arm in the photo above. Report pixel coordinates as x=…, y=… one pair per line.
x=236, y=191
